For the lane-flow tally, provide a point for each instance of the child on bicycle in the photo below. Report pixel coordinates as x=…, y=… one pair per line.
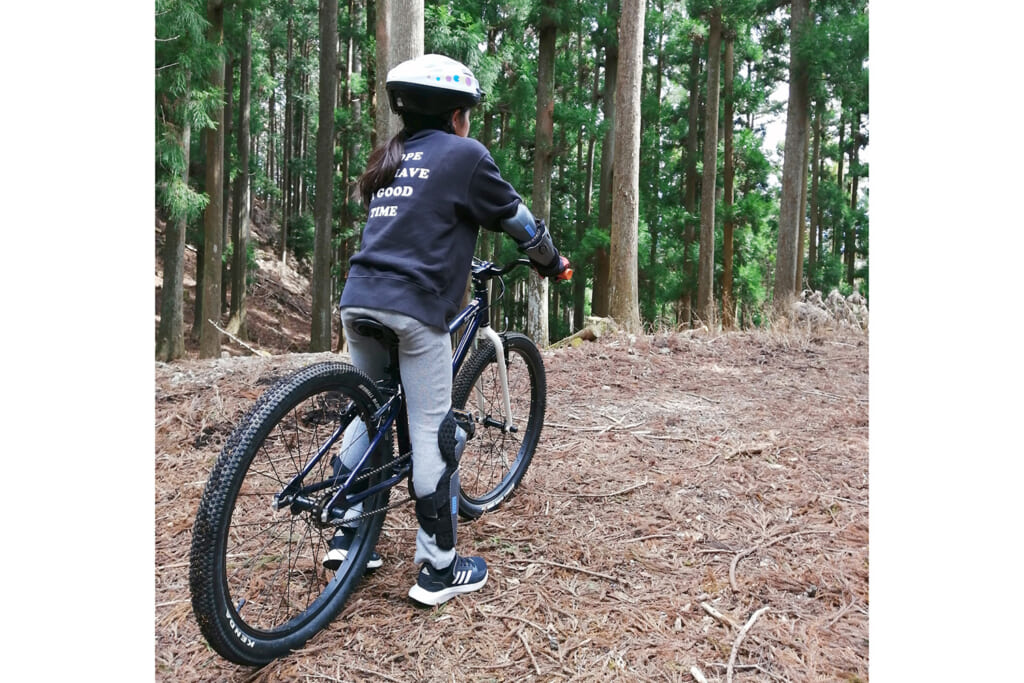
x=428, y=190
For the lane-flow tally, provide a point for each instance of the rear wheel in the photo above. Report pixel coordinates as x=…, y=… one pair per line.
x=259, y=588
x=496, y=459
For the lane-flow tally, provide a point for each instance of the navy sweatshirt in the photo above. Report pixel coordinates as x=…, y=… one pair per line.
x=419, y=238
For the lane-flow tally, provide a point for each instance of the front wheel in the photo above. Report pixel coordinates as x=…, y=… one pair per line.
x=497, y=457
x=259, y=586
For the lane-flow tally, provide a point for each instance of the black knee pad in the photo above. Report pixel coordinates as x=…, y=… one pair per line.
x=438, y=512
x=451, y=439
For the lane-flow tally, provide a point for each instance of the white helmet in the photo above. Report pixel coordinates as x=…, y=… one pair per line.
x=432, y=84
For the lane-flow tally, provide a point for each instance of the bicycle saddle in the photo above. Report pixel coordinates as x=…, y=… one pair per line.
x=368, y=327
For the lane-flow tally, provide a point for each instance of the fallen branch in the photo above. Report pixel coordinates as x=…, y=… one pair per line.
x=743, y=553
x=648, y=435
x=512, y=616
x=238, y=341
x=752, y=449
x=175, y=602
x=842, y=611
x=528, y=651
x=836, y=397
x=609, y=495
x=708, y=463
x=599, y=430
x=728, y=621
x=704, y=398
x=594, y=330
x=567, y=566
x=576, y=646
x=697, y=674
x=648, y=538
x=739, y=639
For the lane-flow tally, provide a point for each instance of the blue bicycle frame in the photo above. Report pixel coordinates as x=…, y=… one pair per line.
x=476, y=316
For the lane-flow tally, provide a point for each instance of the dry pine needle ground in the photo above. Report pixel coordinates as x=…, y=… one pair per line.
x=697, y=508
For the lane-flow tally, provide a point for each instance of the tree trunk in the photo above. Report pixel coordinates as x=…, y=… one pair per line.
x=601, y=294
x=487, y=130
x=537, y=290
x=624, y=300
x=803, y=224
x=690, y=198
x=500, y=305
x=579, y=286
x=399, y=37
x=706, y=260
x=343, y=139
x=729, y=176
x=229, y=113
x=352, y=143
x=812, y=243
x=356, y=103
x=851, y=230
x=320, y=334
x=272, y=169
x=241, y=225
x=197, y=311
x=654, y=214
x=837, y=221
x=171, y=336
x=793, y=165
x=286, y=143
x=213, y=229
x=302, y=137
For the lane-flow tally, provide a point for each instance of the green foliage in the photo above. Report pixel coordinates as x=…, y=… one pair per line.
x=301, y=230
x=453, y=32
x=183, y=100
x=251, y=266
x=827, y=274
x=179, y=200
x=500, y=42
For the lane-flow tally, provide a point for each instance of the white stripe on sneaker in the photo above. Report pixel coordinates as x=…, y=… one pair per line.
x=437, y=597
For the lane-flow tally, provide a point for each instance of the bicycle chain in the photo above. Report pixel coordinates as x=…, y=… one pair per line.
x=349, y=520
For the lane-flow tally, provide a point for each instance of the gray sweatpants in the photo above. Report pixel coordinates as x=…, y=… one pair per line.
x=425, y=356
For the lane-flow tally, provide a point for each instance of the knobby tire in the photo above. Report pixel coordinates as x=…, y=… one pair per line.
x=494, y=461
x=259, y=589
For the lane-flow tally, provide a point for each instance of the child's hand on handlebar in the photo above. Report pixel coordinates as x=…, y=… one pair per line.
x=566, y=272
x=556, y=271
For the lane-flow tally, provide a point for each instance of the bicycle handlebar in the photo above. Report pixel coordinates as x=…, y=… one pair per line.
x=485, y=270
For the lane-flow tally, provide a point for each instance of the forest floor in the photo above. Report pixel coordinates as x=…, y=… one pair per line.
x=697, y=507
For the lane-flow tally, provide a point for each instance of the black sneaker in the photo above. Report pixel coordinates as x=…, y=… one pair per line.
x=338, y=551
x=464, y=575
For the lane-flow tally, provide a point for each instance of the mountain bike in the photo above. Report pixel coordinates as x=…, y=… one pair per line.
x=275, y=496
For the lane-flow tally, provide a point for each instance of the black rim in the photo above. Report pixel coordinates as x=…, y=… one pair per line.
x=274, y=579
x=494, y=458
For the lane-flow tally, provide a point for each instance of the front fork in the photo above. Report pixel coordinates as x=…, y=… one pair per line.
x=499, y=352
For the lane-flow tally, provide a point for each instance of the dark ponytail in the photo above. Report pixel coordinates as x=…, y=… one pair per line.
x=385, y=161
x=382, y=166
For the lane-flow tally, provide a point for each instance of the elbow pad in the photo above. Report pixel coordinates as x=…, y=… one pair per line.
x=532, y=237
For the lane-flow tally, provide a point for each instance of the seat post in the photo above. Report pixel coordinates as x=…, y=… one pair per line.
x=370, y=327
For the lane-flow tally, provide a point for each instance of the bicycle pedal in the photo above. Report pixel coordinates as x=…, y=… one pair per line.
x=465, y=420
